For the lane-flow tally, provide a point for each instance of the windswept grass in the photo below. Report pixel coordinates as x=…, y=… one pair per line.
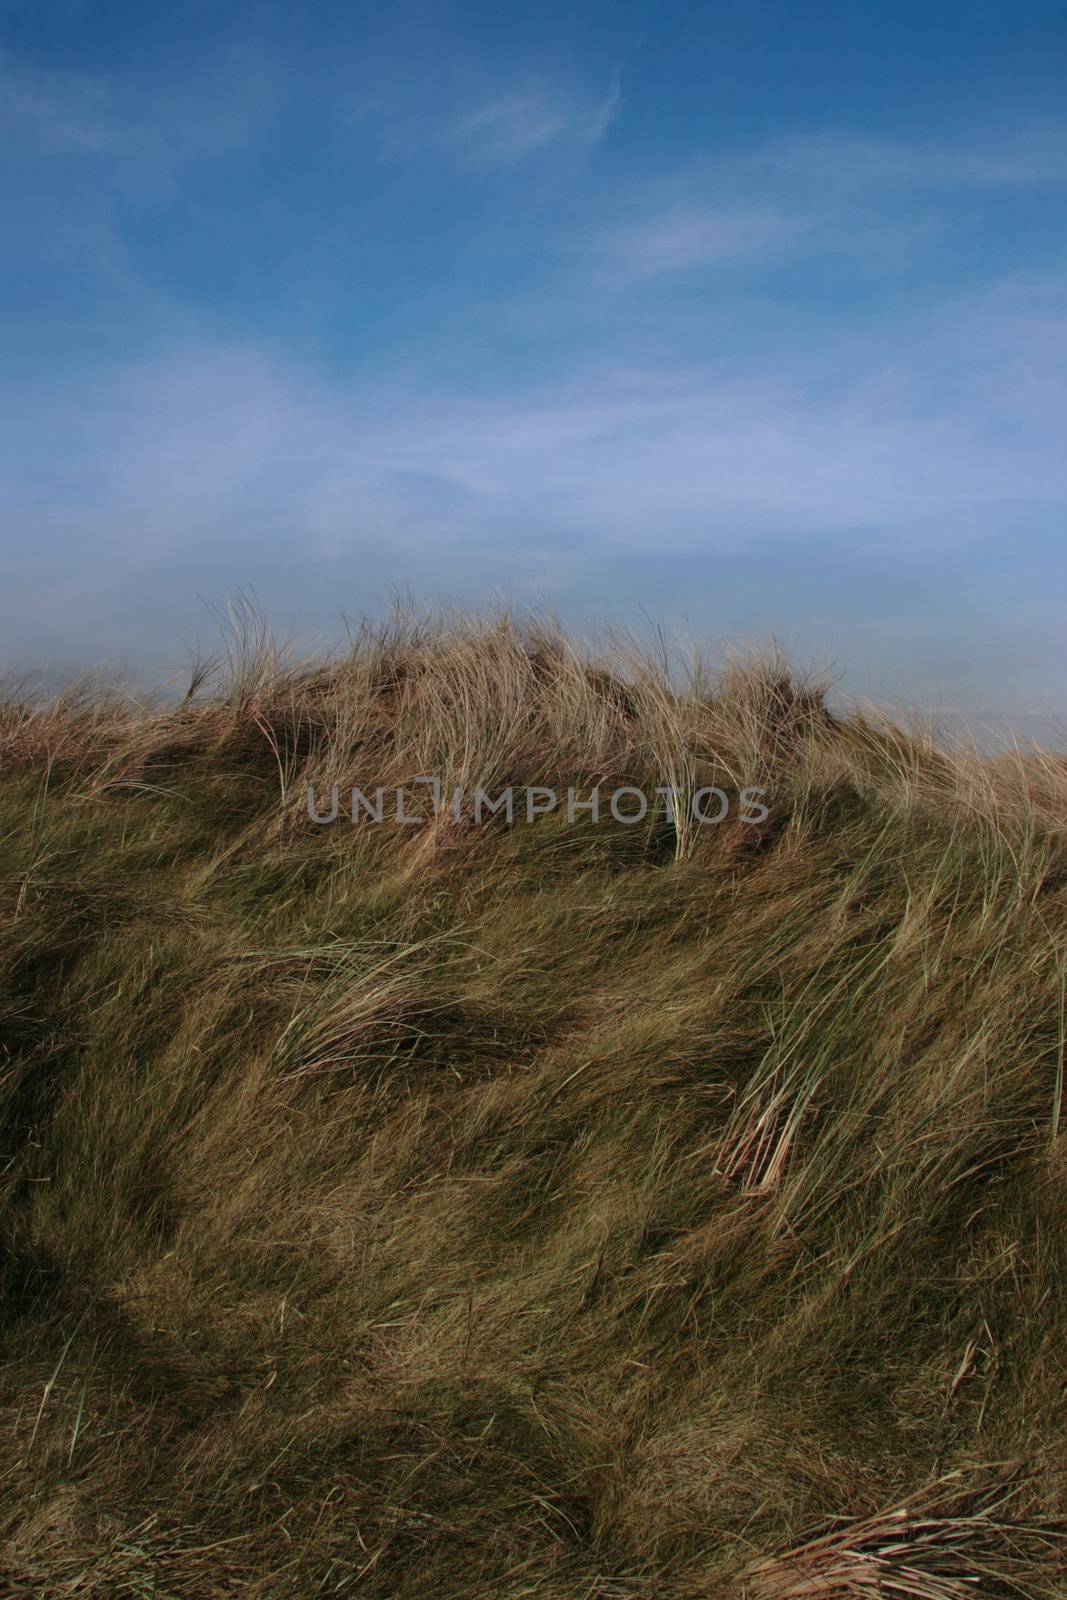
x=565, y=1211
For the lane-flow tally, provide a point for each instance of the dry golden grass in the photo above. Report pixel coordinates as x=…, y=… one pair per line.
x=552, y=1211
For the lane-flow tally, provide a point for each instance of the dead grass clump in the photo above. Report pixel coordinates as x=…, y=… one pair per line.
x=947, y=1542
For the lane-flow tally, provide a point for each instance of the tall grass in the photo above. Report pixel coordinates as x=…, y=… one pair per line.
x=552, y=1211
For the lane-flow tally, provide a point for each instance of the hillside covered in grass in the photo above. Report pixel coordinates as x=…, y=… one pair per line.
x=565, y=1210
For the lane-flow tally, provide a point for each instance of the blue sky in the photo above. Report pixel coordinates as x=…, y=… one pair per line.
x=750, y=317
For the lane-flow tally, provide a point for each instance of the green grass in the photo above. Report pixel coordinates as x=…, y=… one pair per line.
x=548, y=1211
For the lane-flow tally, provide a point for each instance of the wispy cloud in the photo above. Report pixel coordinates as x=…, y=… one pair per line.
x=512, y=126
x=64, y=114
x=691, y=235
x=929, y=431
x=227, y=464
x=59, y=111
x=494, y=123
x=1029, y=158
x=837, y=193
